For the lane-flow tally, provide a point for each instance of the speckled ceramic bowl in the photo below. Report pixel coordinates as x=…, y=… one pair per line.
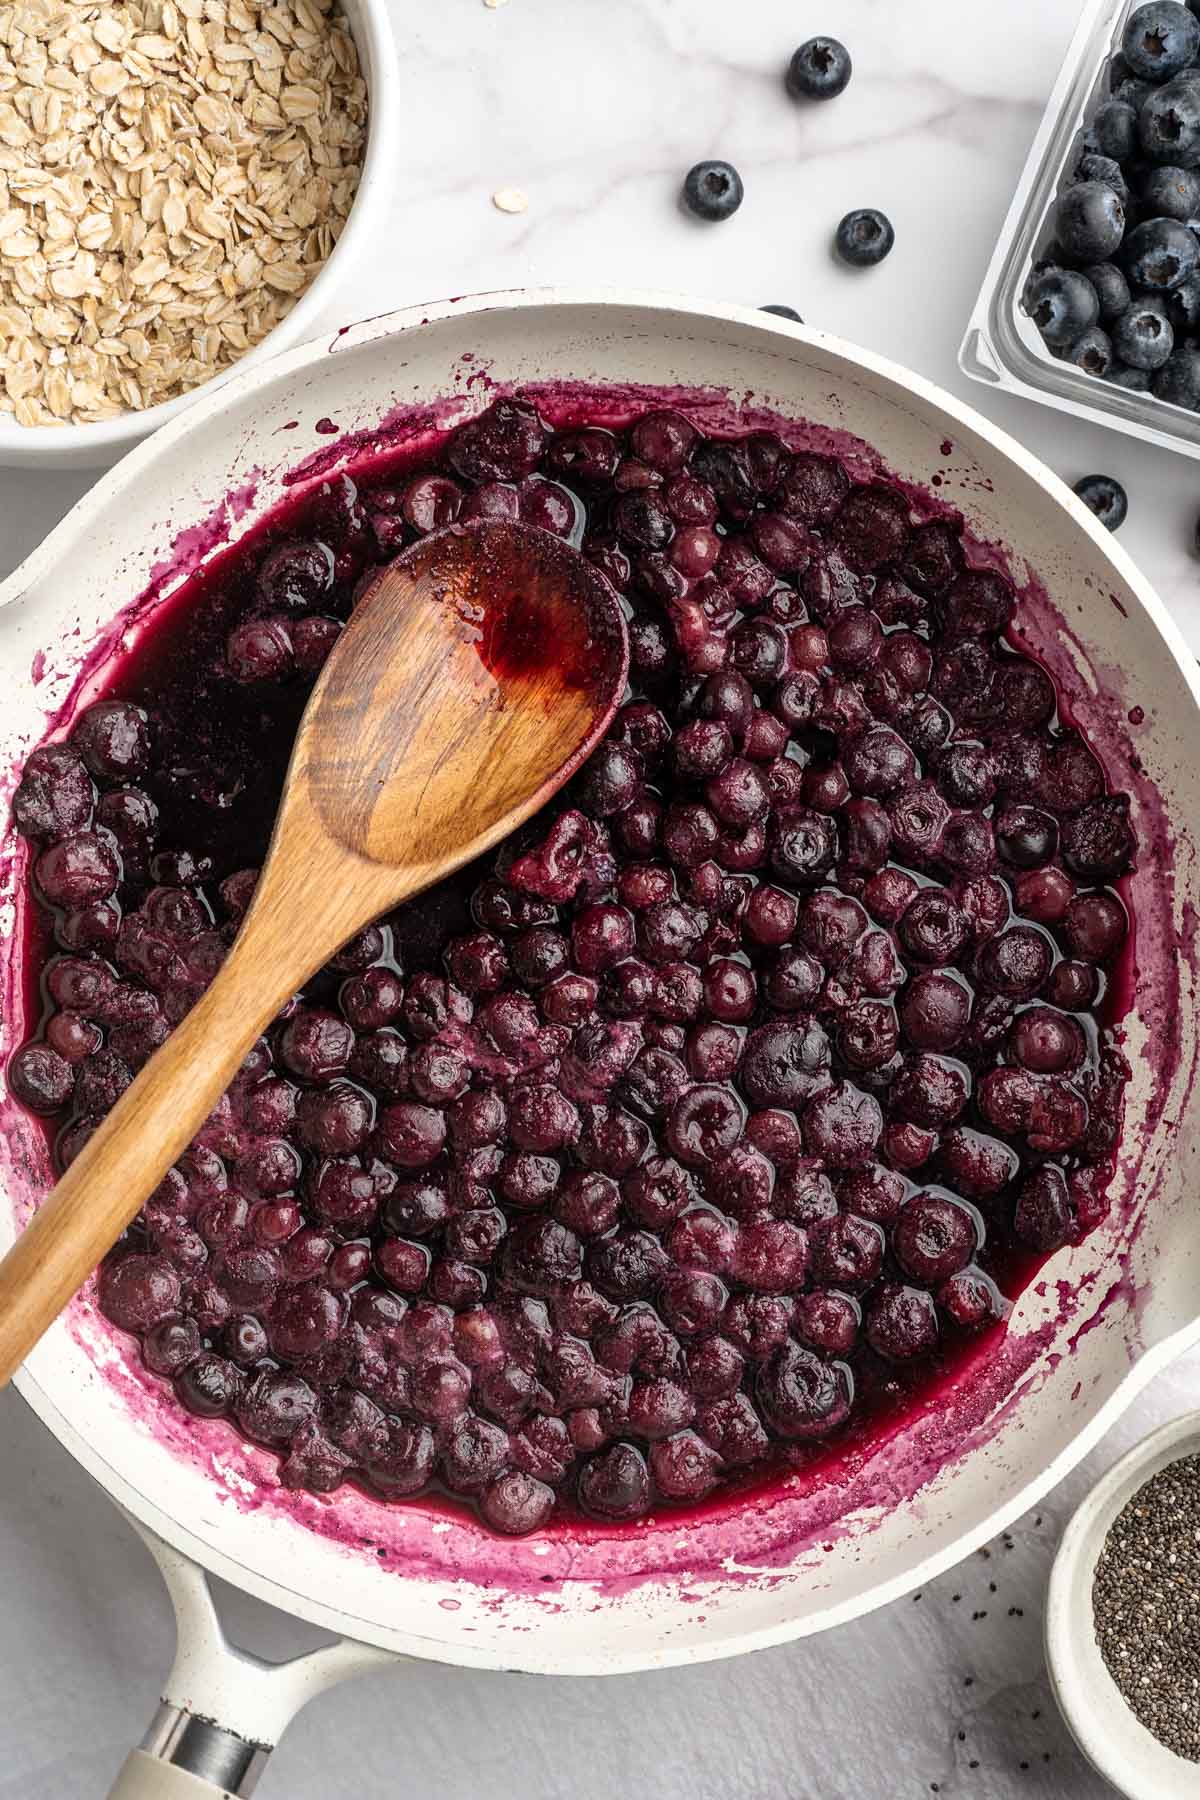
x=97, y=445
x=1111, y=1737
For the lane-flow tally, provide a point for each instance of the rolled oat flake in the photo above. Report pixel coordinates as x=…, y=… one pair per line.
x=1146, y=1605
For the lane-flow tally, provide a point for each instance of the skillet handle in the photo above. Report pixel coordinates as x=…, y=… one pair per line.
x=223, y=1710
x=145, y=1777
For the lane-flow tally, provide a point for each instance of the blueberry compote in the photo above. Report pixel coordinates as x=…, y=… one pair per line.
x=710, y=1120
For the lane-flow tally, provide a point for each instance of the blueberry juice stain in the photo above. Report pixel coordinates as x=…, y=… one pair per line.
x=522, y=638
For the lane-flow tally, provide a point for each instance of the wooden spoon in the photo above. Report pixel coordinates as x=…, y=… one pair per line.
x=477, y=673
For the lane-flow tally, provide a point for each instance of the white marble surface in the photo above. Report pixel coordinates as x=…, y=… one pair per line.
x=595, y=108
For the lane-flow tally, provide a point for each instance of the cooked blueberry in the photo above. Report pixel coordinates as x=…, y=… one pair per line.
x=819, y=69
x=902, y=1323
x=802, y=1396
x=295, y=575
x=615, y=1484
x=1098, y=843
x=138, y=1291
x=260, y=649
x=1015, y=962
x=516, y=1503
x=113, y=738
x=54, y=796
x=713, y=190
x=40, y=1078
x=934, y=928
x=783, y=312
x=864, y=237
x=1106, y=498
x=1043, y=1216
x=1046, y=1042
x=935, y=1236
x=78, y=870
x=1026, y=838
x=503, y=443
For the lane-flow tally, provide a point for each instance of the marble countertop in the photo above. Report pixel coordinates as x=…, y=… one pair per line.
x=595, y=110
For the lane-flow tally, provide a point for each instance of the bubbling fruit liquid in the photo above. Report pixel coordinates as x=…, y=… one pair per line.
x=703, y=1127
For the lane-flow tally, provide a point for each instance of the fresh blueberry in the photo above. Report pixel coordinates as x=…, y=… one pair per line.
x=819, y=69
x=1115, y=125
x=783, y=312
x=1090, y=221
x=1133, y=92
x=1160, y=39
x=1170, y=192
x=1178, y=381
x=1183, y=307
x=864, y=237
x=1062, y=304
x=713, y=190
x=1106, y=498
x=1160, y=255
x=1142, y=337
x=1134, y=381
x=1092, y=166
x=1169, y=124
x=1092, y=351
x=1112, y=289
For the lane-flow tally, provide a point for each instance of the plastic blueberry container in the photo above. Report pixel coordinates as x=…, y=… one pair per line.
x=1001, y=346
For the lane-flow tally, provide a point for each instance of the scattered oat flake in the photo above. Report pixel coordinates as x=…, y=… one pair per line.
x=495, y=5
x=510, y=200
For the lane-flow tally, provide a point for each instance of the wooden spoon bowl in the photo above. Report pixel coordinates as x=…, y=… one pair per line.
x=477, y=673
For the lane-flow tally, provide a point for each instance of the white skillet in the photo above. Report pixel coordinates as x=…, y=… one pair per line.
x=1082, y=1342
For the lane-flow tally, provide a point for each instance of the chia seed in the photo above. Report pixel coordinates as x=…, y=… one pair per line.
x=1145, y=1603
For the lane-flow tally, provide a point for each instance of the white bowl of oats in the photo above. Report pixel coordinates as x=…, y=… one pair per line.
x=182, y=184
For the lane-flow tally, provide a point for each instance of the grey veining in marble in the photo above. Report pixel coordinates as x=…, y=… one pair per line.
x=595, y=108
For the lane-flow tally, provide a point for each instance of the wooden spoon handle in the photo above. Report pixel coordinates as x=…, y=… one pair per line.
x=123, y=1162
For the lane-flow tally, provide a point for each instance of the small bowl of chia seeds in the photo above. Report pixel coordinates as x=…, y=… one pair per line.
x=1123, y=1618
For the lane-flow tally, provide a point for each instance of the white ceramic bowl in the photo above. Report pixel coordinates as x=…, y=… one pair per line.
x=1111, y=1737
x=97, y=445
x=1106, y=1314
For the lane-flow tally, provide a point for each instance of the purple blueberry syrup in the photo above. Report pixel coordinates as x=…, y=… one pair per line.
x=702, y=1128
